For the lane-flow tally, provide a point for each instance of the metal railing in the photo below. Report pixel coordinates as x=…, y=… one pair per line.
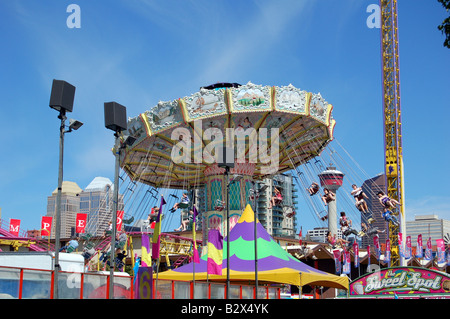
x=23, y=283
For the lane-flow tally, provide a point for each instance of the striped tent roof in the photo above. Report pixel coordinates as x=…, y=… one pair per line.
x=274, y=263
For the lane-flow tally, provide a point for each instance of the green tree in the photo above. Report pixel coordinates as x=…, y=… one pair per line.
x=445, y=26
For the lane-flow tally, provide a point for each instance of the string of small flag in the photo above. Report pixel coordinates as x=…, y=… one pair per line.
x=343, y=262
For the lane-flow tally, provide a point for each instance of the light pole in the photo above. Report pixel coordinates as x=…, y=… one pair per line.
x=235, y=178
x=115, y=120
x=227, y=162
x=61, y=100
x=227, y=173
x=255, y=193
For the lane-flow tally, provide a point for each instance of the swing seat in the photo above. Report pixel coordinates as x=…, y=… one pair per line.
x=291, y=214
x=121, y=244
x=86, y=236
x=220, y=205
x=129, y=220
x=70, y=249
x=189, y=225
x=251, y=194
x=183, y=205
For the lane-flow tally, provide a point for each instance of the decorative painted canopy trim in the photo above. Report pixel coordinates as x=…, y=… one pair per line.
x=303, y=117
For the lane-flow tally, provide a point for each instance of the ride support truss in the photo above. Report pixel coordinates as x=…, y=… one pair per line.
x=392, y=118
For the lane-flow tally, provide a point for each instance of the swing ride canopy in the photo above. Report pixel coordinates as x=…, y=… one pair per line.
x=275, y=265
x=303, y=119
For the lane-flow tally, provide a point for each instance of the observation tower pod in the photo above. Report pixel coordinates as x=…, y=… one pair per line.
x=331, y=179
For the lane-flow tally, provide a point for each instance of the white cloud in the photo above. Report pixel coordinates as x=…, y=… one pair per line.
x=227, y=44
x=264, y=29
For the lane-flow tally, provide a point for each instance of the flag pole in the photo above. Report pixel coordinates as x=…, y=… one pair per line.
x=193, y=241
x=157, y=273
x=156, y=240
x=193, y=277
x=256, y=239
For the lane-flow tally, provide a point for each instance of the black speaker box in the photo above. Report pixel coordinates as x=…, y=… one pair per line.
x=62, y=96
x=115, y=116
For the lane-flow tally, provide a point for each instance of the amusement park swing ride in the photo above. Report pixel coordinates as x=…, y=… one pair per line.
x=175, y=143
x=290, y=128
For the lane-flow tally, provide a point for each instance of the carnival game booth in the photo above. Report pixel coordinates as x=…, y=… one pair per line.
x=275, y=265
x=402, y=283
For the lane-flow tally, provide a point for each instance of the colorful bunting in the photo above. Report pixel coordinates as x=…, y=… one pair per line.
x=440, y=250
x=408, y=250
x=146, y=260
x=337, y=260
x=215, y=252
x=46, y=225
x=419, y=249
x=376, y=243
x=196, y=258
x=356, y=252
x=14, y=226
x=156, y=242
x=80, y=223
x=387, y=256
x=428, y=250
x=400, y=245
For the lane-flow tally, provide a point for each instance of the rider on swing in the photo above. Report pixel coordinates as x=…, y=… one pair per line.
x=276, y=199
x=183, y=204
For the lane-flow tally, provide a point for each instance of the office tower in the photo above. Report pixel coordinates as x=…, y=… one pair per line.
x=427, y=226
x=370, y=188
x=70, y=206
x=319, y=234
x=96, y=200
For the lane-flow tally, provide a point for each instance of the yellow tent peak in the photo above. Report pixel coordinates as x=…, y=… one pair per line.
x=248, y=215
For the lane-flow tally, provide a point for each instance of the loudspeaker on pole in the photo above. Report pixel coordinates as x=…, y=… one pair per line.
x=115, y=116
x=62, y=96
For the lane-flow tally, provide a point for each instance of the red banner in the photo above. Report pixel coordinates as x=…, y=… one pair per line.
x=387, y=255
x=376, y=243
x=337, y=260
x=119, y=220
x=356, y=253
x=80, y=223
x=14, y=226
x=46, y=225
x=419, y=249
x=400, y=245
x=440, y=250
x=408, y=249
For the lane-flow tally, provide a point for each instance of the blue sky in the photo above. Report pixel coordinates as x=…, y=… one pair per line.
x=140, y=52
